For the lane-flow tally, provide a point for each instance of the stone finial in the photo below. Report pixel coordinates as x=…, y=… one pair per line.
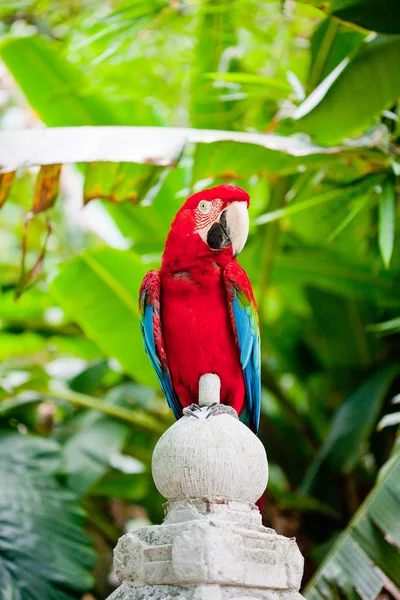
x=212, y=544
x=210, y=456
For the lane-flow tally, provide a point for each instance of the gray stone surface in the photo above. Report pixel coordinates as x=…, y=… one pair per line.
x=212, y=544
x=210, y=457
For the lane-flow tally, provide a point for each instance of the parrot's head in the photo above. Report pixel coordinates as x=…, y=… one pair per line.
x=212, y=222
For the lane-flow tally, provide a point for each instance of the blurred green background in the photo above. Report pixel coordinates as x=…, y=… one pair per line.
x=80, y=409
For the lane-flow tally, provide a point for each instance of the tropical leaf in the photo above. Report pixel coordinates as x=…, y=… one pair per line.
x=345, y=193
x=88, y=451
x=26, y=344
x=385, y=328
x=387, y=210
x=377, y=15
x=120, y=182
x=278, y=156
x=333, y=111
x=217, y=32
x=352, y=425
x=44, y=552
x=267, y=83
x=99, y=290
x=126, y=164
x=330, y=272
x=342, y=339
x=331, y=43
x=389, y=420
x=126, y=486
x=46, y=188
x=367, y=553
x=56, y=90
x=6, y=181
x=163, y=146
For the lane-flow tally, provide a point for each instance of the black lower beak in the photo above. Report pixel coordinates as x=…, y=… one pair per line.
x=218, y=235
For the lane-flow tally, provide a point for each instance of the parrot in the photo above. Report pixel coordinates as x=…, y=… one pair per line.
x=198, y=313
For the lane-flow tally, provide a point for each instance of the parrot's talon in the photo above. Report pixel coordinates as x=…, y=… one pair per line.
x=220, y=409
x=191, y=411
x=211, y=409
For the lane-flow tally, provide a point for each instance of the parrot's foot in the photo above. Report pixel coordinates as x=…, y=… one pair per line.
x=192, y=411
x=219, y=409
x=214, y=409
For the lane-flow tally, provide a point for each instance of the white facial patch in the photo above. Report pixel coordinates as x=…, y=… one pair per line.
x=206, y=214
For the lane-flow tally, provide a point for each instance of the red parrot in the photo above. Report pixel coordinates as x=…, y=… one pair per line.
x=198, y=312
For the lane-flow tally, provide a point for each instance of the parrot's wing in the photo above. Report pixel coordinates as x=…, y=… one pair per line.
x=243, y=313
x=150, y=322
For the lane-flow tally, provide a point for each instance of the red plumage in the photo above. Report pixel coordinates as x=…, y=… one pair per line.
x=197, y=333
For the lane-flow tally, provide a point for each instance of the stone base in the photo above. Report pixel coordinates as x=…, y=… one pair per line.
x=213, y=549
x=129, y=591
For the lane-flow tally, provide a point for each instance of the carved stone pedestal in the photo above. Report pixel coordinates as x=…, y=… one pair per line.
x=212, y=544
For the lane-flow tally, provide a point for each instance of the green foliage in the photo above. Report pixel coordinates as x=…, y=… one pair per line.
x=36, y=64
x=387, y=216
x=44, y=552
x=334, y=111
x=353, y=425
x=80, y=408
x=378, y=15
x=366, y=554
x=106, y=281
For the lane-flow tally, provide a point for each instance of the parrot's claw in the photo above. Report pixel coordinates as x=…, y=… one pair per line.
x=191, y=411
x=212, y=408
x=219, y=409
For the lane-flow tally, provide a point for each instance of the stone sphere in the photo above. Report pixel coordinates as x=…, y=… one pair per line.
x=214, y=457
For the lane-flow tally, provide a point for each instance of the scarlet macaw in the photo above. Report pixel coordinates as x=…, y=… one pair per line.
x=198, y=312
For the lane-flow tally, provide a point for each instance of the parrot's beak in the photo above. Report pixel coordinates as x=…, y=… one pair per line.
x=237, y=225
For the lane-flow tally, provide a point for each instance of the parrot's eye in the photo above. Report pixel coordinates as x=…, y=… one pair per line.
x=204, y=206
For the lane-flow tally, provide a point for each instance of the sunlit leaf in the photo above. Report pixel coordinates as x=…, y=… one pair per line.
x=163, y=146
x=346, y=193
x=332, y=111
x=25, y=344
x=216, y=33
x=389, y=420
x=6, y=180
x=54, y=88
x=387, y=209
x=99, y=290
x=252, y=79
x=385, y=328
x=46, y=188
x=120, y=182
x=331, y=43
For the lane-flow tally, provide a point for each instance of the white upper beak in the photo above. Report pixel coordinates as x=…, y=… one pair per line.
x=237, y=221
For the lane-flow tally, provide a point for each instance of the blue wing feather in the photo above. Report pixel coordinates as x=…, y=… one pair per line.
x=147, y=323
x=248, y=337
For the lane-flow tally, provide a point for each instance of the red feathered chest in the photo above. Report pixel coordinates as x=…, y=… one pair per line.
x=198, y=335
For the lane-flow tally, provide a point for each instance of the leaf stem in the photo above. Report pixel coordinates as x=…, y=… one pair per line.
x=323, y=53
x=118, y=412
